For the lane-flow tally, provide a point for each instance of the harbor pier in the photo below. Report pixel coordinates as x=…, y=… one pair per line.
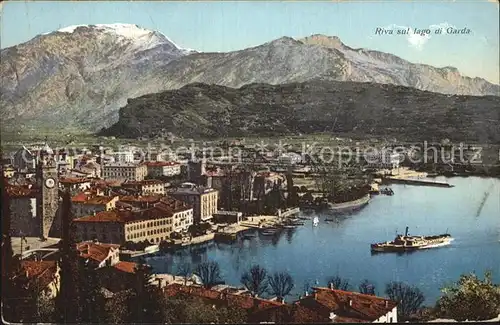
x=412, y=181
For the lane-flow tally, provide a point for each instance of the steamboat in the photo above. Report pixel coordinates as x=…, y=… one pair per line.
x=405, y=243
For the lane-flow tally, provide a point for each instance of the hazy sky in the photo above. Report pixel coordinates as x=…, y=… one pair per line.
x=226, y=26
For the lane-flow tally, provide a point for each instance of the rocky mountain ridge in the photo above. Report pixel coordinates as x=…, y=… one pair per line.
x=364, y=109
x=82, y=75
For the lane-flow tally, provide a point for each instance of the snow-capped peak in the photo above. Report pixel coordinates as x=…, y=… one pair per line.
x=126, y=30
x=143, y=37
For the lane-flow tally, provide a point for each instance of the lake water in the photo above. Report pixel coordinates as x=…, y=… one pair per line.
x=312, y=254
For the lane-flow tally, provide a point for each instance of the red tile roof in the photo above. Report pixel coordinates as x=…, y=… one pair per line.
x=143, y=183
x=351, y=305
x=98, y=200
x=109, y=216
x=18, y=191
x=73, y=180
x=43, y=271
x=84, y=198
x=242, y=301
x=96, y=251
x=127, y=215
x=140, y=199
x=80, y=198
x=127, y=267
x=316, y=308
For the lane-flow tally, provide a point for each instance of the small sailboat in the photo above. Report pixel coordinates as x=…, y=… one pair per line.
x=315, y=221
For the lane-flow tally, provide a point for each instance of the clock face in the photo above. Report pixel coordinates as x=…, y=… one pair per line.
x=50, y=182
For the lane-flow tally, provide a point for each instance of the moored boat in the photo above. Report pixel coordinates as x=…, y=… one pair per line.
x=269, y=231
x=349, y=206
x=405, y=243
x=315, y=221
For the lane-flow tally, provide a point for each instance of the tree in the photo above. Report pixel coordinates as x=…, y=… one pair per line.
x=91, y=296
x=367, y=288
x=209, y=274
x=10, y=264
x=255, y=280
x=146, y=301
x=409, y=298
x=231, y=315
x=117, y=308
x=184, y=270
x=280, y=283
x=470, y=298
x=68, y=304
x=336, y=282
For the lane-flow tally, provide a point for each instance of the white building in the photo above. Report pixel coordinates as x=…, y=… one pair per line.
x=383, y=159
x=290, y=158
x=124, y=171
x=124, y=156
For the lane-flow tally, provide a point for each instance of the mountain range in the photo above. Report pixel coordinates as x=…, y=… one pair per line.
x=82, y=75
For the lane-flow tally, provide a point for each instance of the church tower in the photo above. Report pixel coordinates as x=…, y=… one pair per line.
x=48, y=199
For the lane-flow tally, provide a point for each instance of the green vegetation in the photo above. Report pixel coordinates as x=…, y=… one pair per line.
x=470, y=298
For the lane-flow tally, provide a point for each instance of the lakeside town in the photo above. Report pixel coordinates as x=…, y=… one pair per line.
x=249, y=162
x=122, y=205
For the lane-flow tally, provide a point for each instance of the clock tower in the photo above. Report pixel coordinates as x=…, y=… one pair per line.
x=48, y=197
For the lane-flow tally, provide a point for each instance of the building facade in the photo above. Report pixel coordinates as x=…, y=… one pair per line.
x=148, y=186
x=163, y=168
x=203, y=200
x=124, y=171
x=23, y=211
x=383, y=159
x=125, y=225
x=48, y=200
x=24, y=159
x=85, y=205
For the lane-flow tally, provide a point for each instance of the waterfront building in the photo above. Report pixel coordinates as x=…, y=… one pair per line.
x=85, y=204
x=222, y=216
x=149, y=186
x=163, y=168
x=125, y=171
x=118, y=226
x=99, y=255
x=383, y=159
x=203, y=200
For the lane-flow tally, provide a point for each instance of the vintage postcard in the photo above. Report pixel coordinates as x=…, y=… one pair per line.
x=259, y=162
